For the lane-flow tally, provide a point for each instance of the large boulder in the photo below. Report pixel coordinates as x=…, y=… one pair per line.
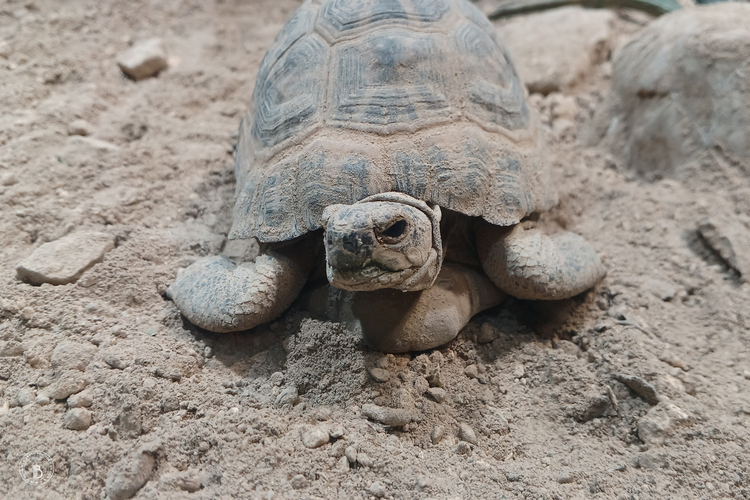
x=681, y=91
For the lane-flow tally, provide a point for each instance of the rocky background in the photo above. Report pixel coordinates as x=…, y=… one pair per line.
x=110, y=184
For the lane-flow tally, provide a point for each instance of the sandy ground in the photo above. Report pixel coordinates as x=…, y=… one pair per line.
x=529, y=390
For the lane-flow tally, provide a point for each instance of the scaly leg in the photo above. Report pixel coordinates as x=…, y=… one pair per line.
x=216, y=294
x=527, y=264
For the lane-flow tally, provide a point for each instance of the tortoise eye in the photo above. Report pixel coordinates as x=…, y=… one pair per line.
x=395, y=232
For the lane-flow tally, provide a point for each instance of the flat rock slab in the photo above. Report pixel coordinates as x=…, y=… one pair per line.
x=63, y=261
x=144, y=59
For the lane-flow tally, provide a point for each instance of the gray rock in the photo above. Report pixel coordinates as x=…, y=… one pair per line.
x=315, y=437
x=437, y=434
x=380, y=374
x=438, y=394
x=660, y=422
x=129, y=475
x=64, y=261
x=11, y=348
x=487, y=333
x=583, y=39
x=72, y=355
x=364, y=460
x=593, y=406
x=80, y=400
x=351, y=454
x=471, y=371
x=645, y=390
x=77, y=419
x=80, y=127
x=144, y=59
x=671, y=102
x=26, y=396
x=70, y=382
x=8, y=179
x=566, y=478
x=42, y=400
x=289, y=396
x=729, y=239
x=298, y=482
x=462, y=448
x=376, y=489
x=395, y=417
x=466, y=433
x=184, y=480
x=660, y=289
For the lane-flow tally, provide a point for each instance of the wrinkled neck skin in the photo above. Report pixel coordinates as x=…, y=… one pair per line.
x=389, y=240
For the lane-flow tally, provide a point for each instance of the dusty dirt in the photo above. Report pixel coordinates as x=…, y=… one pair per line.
x=201, y=415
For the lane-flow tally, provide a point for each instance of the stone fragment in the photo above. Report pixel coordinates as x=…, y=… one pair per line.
x=471, y=371
x=42, y=400
x=289, y=396
x=351, y=454
x=395, y=417
x=728, y=239
x=519, y=371
x=660, y=289
x=315, y=437
x=566, y=478
x=364, y=460
x=144, y=59
x=336, y=431
x=645, y=390
x=64, y=261
x=80, y=127
x=660, y=422
x=70, y=382
x=298, y=482
x=380, y=375
x=376, y=489
x=80, y=400
x=591, y=407
x=438, y=394
x=129, y=475
x=437, y=434
x=184, y=480
x=26, y=396
x=584, y=38
x=72, y=355
x=487, y=333
x=567, y=347
x=11, y=348
x=8, y=179
x=495, y=422
x=462, y=448
x=466, y=433
x=77, y=419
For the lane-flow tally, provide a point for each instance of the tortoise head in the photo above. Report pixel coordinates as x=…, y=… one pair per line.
x=388, y=240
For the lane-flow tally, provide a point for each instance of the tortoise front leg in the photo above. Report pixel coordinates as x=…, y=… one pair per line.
x=216, y=294
x=527, y=264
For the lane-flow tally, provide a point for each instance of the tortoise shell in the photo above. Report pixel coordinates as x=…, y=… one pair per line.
x=360, y=97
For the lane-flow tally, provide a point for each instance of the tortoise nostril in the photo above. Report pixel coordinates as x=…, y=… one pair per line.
x=395, y=230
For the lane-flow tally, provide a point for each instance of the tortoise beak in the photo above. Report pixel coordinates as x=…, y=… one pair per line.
x=348, y=250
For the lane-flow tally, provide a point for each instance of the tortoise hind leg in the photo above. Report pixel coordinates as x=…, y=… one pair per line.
x=527, y=264
x=216, y=294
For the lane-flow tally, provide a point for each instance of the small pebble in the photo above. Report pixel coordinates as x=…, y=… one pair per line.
x=364, y=460
x=462, y=448
x=380, y=374
x=144, y=59
x=26, y=396
x=519, y=371
x=565, y=478
x=336, y=432
x=42, y=400
x=80, y=127
x=129, y=475
x=645, y=390
x=421, y=484
x=438, y=394
x=298, y=482
x=351, y=454
x=395, y=417
x=487, y=333
x=315, y=437
x=376, y=489
x=80, y=400
x=437, y=434
x=466, y=433
x=471, y=371
x=289, y=396
x=8, y=179
x=77, y=419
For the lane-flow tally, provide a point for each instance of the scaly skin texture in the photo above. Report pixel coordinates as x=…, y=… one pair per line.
x=215, y=294
x=524, y=262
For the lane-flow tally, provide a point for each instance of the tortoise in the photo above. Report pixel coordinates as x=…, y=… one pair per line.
x=390, y=142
